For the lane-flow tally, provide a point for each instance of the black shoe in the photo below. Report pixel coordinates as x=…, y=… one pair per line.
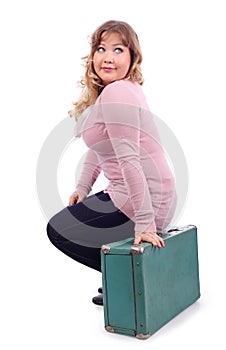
x=98, y=300
x=100, y=290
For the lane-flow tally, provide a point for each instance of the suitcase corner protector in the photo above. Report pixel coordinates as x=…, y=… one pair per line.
x=143, y=336
x=105, y=249
x=137, y=249
x=110, y=329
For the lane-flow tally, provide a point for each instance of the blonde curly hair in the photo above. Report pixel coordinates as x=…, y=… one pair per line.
x=91, y=83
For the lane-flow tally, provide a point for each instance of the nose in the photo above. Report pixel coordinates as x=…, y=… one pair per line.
x=108, y=58
x=108, y=61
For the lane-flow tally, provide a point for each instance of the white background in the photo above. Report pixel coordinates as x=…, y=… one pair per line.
x=45, y=296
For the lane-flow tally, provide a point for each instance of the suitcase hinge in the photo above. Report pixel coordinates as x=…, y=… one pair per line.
x=137, y=249
x=105, y=249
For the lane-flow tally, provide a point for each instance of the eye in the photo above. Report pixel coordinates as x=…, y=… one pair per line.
x=118, y=50
x=100, y=49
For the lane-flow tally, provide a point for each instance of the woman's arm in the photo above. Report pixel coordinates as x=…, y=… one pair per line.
x=122, y=122
x=90, y=172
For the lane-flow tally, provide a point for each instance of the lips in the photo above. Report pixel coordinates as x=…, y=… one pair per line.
x=107, y=69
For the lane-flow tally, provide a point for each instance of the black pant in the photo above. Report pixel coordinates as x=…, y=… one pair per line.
x=80, y=230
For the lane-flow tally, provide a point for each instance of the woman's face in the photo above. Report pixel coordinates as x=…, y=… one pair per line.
x=112, y=59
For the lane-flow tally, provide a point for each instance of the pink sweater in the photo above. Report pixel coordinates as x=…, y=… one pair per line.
x=123, y=142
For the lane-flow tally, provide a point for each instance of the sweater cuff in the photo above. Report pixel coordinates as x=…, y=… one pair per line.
x=145, y=227
x=81, y=191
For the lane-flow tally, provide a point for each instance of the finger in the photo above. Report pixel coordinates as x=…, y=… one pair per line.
x=155, y=240
x=160, y=242
x=73, y=199
x=151, y=238
x=137, y=240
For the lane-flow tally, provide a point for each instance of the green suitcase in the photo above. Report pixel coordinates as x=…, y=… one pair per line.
x=144, y=287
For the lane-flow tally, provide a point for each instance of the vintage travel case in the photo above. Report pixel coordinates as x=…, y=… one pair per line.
x=144, y=287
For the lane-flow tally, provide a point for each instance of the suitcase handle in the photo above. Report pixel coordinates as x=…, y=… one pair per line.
x=139, y=248
x=179, y=228
x=174, y=229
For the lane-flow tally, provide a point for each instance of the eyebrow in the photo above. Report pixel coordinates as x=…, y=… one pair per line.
x=119, y=44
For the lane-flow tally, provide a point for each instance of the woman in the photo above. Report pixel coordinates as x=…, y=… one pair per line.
x=115, y=122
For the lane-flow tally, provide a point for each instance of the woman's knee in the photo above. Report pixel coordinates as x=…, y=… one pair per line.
x=57, y=224
x=52, y=232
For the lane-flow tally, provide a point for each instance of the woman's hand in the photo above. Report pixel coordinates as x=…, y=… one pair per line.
x=76, y=198
x=150, y=237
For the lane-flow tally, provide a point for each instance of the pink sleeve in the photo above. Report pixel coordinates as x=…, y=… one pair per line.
x=120, y=111
x=89, y=174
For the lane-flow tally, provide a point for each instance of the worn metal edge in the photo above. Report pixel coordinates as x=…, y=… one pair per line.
x=137, y=249
x=105, y=249
x=142, y=336
x=110, y=329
